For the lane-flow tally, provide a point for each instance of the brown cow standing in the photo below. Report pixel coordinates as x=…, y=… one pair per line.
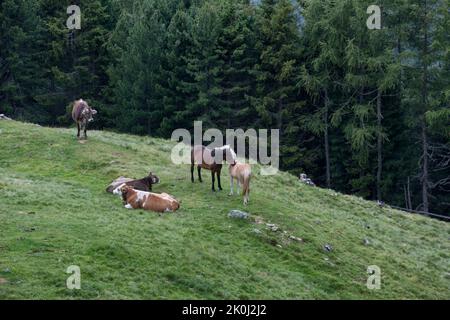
x=82, y=114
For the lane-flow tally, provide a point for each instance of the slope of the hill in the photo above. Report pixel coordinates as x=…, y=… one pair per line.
x=54, y=213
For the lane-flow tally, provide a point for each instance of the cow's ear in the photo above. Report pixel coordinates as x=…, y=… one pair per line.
x=94, y=111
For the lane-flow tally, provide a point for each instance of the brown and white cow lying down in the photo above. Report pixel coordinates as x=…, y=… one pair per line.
x=136, y=199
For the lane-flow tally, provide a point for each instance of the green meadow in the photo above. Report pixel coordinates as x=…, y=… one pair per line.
x=54, y=213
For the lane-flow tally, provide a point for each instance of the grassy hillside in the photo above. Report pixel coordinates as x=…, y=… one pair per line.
x=54, y=213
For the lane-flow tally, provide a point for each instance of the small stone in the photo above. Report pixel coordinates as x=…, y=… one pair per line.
x=257, y=231
x=328, y=247
x=7, y=270
x=238, y=214
x=296, y=239
x=272, y=227
x=258, y=220
x=366, y=242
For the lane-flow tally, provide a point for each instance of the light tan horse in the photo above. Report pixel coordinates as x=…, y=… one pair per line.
x=242, y=172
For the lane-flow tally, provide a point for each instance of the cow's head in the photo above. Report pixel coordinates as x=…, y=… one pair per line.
x=118, y=190
x=88, y=114
x=154, y=179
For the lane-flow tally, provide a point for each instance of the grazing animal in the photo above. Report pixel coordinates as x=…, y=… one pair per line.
x=211, y=159
x=242, y=172
x=136, y=199
x=82, y=114
x=144, y=184
x=304, y=178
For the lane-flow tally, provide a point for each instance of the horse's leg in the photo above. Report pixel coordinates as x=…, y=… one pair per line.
x=192, y=172
x=218, y=180
x=231, y=185
x=213, y=181
x=199, y=170
x=238, y=186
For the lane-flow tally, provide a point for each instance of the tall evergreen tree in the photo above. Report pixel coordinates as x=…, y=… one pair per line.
x=204, y=64
x=424, y=58
x=277, y=68
x=236, y=47
x=179, y=85
x=21, y=58
x=321, y=75
x=76, y=60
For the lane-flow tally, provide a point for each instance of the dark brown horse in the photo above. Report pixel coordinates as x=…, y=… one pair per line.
x=82, y=114
x=211, y=159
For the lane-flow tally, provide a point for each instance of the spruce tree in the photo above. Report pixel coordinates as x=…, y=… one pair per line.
x=21, y=59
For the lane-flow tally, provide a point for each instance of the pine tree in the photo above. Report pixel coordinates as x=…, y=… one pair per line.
x=236, y=47
x=277, y=68
x=136, y=76
x=179, y=85
x=21, y=56
x=204, y=65
x=324, y=22
x=424, y=57
x=76, y=60
x=371, y=71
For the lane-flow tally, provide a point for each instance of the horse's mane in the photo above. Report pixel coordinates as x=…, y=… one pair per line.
x=227, y=147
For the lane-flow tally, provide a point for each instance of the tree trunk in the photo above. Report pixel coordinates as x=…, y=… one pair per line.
x=409, y=195
x=280, y=116
x=327, y=140
x=425, y=175
x=424, y=135
x=379, y=145
x=406, y=196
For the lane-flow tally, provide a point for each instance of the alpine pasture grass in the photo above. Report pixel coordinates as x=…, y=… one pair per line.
x=54, y=213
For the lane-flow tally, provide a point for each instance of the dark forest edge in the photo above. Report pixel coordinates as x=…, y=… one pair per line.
x=361, y=111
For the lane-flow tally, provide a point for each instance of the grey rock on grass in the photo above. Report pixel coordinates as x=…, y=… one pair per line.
x=237, y=214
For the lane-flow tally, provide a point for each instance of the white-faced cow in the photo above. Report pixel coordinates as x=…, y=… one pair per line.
x=136, y=199
x=82, y=114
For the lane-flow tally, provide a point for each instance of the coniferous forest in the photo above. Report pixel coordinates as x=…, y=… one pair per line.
x=361, y=111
